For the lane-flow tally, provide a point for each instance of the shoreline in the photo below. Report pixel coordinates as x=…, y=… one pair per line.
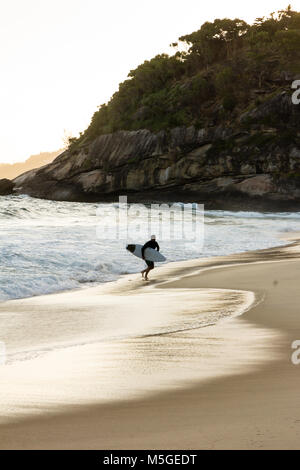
x=255, y=353
x=289, y=237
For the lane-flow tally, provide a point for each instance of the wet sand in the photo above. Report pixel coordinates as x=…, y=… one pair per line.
x=172, y=383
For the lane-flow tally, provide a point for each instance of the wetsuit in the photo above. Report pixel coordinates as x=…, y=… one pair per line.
x=150, y=244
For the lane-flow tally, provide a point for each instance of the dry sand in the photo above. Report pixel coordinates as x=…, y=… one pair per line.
x=227, y=386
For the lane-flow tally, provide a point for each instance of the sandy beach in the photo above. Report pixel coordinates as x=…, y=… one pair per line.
x=174, y=377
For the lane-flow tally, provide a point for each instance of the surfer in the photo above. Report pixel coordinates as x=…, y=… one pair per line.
x=150, y=264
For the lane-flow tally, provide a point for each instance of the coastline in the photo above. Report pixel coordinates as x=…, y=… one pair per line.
x=217, y=378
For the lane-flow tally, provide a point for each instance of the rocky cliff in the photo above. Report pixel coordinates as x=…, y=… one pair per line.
x=250, y=163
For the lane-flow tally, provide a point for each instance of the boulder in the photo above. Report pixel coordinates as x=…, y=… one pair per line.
x=6, y=187
x=256, y=186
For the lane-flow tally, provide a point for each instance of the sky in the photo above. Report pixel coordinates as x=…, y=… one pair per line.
x=61, y=59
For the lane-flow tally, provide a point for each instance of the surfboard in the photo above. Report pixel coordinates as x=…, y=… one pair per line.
x=150, y=254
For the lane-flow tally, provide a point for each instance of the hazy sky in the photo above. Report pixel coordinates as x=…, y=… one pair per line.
x=60, y=59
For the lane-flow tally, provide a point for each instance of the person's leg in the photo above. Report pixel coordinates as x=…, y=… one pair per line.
x=150, y=267
x=146, y=273
x=145, y=270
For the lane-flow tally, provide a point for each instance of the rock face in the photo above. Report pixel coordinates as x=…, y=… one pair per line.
x=213, y=165
x=6, y=187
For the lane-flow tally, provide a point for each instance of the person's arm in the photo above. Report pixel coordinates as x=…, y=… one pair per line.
x=143, y=250
x=157, y=246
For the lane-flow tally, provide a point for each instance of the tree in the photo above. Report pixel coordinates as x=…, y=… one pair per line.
x=231, y=32
x=224, y=81
x=289, y=41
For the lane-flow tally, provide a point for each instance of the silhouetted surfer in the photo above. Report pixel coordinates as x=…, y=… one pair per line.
x=150, y=244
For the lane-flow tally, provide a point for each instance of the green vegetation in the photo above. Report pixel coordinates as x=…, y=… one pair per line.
x=224, y=68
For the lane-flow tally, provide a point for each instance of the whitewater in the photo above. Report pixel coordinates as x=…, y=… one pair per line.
x=49, y=246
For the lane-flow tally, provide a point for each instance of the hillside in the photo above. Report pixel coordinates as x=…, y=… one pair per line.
x=213, y=123
x=215, y=74
x=11, y=171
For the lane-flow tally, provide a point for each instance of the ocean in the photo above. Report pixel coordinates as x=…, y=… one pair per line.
x=48, y=246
